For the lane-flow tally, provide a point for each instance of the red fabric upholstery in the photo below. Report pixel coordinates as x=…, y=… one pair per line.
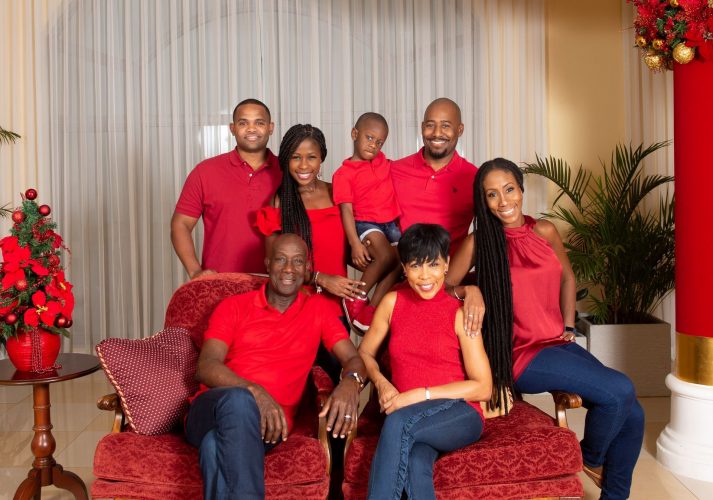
x=170, y=460
x=153, y=377
x=164, y=466
x=521, y=455
x=193, y=303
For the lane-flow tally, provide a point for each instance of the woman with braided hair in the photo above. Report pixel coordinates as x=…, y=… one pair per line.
x=303, y=205
x=529, y=290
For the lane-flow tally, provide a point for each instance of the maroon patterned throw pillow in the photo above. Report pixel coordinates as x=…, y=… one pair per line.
x=153, y=377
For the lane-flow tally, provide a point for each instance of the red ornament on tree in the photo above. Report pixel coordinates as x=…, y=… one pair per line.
x=21, y=285
x=69, y=323
x=31, y=194
x=11, y=318
x=18, y=216
x=53, y=260
x=61, y=322
x=44, y=210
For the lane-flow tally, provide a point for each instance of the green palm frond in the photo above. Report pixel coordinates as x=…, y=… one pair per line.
x=614, y=244
x=8, y=136
x=559, y=172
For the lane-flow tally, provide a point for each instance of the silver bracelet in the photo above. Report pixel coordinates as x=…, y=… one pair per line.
x=428, y=394
x=456, y=294
x=316, y=286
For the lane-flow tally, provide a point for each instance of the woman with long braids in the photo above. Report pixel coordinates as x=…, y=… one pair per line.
x=529, y=290
x=303, y=205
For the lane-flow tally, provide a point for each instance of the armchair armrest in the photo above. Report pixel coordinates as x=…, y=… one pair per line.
x=564, y=401
x=111, y=402
x=324, y=387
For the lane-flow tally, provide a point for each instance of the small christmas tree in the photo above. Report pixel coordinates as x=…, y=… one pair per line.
x=34, y=293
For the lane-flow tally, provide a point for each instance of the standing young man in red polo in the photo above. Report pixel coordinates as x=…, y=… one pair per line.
x=227, y=190
x=435, y=185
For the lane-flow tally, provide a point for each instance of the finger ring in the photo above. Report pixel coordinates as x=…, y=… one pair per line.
x=347, y=417
x=470, y=315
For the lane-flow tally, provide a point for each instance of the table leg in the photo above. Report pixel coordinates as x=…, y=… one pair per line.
x=45, y=470
x=69, y=481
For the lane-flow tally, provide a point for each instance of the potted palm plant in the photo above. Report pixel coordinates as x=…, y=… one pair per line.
x=624, y=254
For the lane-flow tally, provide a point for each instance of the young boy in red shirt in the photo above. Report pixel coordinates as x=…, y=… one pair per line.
x=363, y=190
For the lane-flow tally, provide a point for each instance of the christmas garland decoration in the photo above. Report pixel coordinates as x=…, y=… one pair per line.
x=674, y=30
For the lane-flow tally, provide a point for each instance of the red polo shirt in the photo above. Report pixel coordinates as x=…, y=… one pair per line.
x=442, y=197
x=367, y=186
x=227, y=193
x=274, y=349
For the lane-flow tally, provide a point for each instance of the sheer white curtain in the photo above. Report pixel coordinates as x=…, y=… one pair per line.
x=649, y=119
x=118, y=100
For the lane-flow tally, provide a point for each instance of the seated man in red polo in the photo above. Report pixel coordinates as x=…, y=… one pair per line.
x=257, y=353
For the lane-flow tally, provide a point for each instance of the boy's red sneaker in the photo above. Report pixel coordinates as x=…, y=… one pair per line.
x=352, y=308
x=364, y=318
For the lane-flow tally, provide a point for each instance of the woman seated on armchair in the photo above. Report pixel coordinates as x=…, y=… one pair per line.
x=439, y=374
x=526, y=279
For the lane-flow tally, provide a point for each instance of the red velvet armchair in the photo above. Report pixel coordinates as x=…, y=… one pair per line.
x=163, y=466
x=526, y=454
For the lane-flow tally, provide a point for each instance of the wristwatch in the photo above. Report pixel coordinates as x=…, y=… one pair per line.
x=360, y=380
x=572, y=329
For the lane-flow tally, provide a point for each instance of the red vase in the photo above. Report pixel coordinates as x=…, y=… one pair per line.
x=33, y=352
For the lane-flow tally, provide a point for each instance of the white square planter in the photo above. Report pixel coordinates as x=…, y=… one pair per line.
x=642, y=351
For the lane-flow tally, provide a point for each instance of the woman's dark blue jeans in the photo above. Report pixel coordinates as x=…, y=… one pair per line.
x=410, y=441
x=614, y=426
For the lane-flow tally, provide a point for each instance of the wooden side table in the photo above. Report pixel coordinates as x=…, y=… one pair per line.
x=45, y=470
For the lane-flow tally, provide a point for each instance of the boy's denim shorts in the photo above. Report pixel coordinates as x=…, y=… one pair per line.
x=389, y=229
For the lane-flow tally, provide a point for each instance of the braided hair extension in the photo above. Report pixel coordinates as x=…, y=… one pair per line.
x=294, y=215
x=493, y=271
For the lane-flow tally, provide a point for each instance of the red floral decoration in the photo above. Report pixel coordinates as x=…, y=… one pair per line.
x=674, y=30
x=34, y=292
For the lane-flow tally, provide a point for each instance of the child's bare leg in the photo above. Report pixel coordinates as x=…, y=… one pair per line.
x=383, y=257
x=387, y=282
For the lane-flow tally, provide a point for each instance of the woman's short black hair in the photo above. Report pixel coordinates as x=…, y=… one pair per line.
x=424, y=243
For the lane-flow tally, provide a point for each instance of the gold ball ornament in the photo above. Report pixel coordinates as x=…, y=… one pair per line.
x=683, y=54
x=673, y=3
x=641, y=41
x=653, y=61
x=657, y=44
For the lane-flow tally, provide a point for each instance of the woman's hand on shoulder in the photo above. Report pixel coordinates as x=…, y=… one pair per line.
x=473, y=311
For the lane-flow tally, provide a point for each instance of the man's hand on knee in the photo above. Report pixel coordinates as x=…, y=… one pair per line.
x=341, y=408
x=273, y=424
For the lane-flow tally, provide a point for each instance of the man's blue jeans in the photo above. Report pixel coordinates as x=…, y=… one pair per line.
x=410, y=442
x=614, y=426
x=224, y=424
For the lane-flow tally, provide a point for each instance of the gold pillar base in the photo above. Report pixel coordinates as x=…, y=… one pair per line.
x=694, y=359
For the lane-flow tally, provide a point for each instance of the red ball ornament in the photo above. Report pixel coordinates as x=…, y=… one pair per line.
x=21, y=285
x=44, y=210
x=61, y=322
x=18, y=216
x=53, y=260
x=31, y=194
x=69, y=323
x=11, y=318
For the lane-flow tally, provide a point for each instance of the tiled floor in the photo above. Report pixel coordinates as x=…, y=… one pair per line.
x=78, y=425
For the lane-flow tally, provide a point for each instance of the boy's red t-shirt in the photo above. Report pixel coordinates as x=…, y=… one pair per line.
x=367, y=186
